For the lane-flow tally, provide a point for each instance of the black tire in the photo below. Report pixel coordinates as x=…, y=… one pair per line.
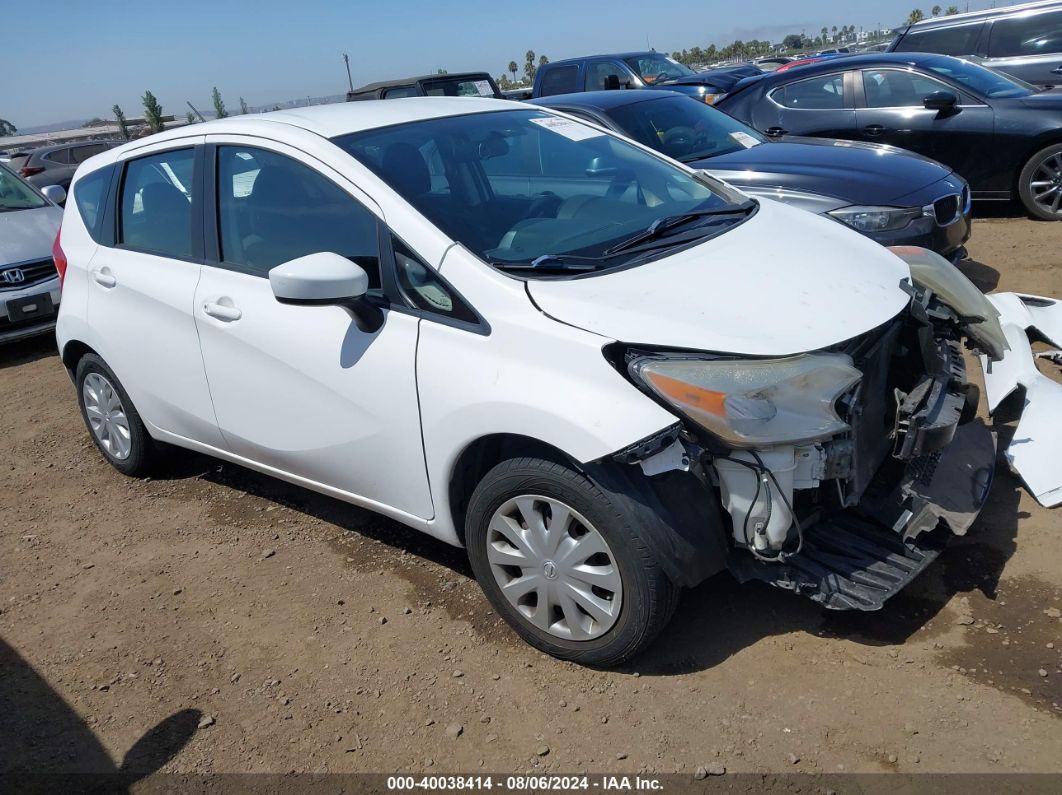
x=1050, y=158
x=143, y=452
x=648, y=596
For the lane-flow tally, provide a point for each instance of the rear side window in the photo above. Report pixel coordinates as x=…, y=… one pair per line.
x=273, y=209
x=815, y=93
x=155, y=209
x=952, y=40
x=60, y=156
x=560, y=80
x=80, y=154
x=90, y=191
x=1028, y=35
x=400, y=92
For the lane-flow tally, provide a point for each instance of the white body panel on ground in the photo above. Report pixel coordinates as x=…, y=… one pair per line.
x=1033, y=453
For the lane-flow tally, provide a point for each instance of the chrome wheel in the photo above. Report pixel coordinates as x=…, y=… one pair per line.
x=554, y=567
x=1046, y=184
x=106, y=416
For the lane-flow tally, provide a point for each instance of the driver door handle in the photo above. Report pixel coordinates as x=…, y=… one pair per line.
x=775, y=132
x=104, y=277
x=874, y=129
x=1057, y=70
x=224, y=312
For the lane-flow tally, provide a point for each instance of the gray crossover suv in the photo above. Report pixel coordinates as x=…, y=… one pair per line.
x=1025, y=41
x=55, y=165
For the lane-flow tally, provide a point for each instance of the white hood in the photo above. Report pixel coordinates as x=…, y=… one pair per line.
x=27, y=235
x=785, y=281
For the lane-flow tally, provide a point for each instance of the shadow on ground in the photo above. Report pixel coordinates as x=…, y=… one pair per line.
x=48, y=747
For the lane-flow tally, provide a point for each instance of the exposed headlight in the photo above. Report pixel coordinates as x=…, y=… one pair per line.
x=754, y=403
x=979, y=316
x=877, y=219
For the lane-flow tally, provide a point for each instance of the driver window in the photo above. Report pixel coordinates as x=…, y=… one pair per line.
x=597, y=75
x=272, y=209
x=893, y=88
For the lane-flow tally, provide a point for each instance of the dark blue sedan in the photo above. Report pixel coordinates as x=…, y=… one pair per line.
x=1002, y=135
x=894, y=197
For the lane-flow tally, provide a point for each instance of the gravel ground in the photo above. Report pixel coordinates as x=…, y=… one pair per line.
x=212, y=619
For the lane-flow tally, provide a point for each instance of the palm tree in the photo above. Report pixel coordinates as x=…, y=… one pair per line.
x=915, y=16
x=824, y=31
x=512, y=69
x=952, y=11
x=834, y=31
x=935, y=11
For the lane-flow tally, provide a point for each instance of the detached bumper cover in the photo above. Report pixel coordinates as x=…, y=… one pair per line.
x=1034, y=452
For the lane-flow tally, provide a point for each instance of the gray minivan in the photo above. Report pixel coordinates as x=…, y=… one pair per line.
x=1023, y=40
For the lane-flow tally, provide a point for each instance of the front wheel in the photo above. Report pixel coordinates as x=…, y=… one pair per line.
x=559, y=559
x=1040, y=184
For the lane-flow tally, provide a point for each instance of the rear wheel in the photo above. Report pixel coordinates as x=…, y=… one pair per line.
x=111, y=419
x=561, y=563
x=1040, y=184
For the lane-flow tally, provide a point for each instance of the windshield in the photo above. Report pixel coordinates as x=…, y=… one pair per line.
x=521, y=185
x=16, y=194
x=979, y=79
x=683, y=128
x=657, y=68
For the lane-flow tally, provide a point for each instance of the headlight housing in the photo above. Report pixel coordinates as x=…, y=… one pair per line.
x=877, y=219
x=754, y=403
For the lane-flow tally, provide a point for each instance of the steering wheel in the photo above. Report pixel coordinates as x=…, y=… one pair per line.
x=545, y=205
x=679, y=141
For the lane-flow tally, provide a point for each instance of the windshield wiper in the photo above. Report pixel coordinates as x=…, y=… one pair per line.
x=552, y=263
x=661, y=225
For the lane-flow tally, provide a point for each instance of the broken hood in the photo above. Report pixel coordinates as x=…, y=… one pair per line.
x=785, y=281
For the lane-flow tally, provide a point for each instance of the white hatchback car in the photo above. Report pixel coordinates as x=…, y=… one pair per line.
x=608, y=376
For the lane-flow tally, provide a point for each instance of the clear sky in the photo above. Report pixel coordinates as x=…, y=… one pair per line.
x=71, y=59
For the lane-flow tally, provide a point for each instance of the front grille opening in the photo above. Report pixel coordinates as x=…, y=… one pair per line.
x=947, y=210
x=16, y=277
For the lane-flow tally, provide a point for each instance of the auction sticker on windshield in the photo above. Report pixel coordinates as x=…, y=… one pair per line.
x=744, y=139
x=569, y=129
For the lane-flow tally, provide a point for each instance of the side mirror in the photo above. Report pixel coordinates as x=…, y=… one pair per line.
x=940, y=101
x=612, y=83
x=54, y=193
x=326, y=279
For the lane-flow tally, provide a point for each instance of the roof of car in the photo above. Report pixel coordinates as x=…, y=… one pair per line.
x=341, y=118
x=603, y=100
x=847, y=62
x=621, y=55
x=933, y=22
x=405, y=81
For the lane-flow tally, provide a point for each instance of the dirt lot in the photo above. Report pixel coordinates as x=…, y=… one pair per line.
x=270, y=629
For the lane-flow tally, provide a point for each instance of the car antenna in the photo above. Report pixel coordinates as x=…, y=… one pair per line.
x=197, y=113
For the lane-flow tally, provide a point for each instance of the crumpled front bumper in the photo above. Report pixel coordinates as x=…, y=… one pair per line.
x=1035, y=452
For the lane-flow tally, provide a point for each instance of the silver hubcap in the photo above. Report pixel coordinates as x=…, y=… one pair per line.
x=554, y=567
x=1046, y=184
x=106, y=416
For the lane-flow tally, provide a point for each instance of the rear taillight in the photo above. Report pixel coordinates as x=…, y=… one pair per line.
x=29, y=171
x=59, y=257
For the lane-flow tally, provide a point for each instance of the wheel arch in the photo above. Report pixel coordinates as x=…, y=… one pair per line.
x=73, y=352
x=483, y=454
x=1041, y=142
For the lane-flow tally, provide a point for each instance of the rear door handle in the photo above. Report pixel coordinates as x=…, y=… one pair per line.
x=874, y=129
x=775, y=132
x=104, y=277
x=226, y=312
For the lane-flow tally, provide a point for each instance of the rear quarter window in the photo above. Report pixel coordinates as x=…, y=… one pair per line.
x=560, y=80
x=90, y=193
x=952, y=40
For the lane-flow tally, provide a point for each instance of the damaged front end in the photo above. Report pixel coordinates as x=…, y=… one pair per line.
x=842, y=471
